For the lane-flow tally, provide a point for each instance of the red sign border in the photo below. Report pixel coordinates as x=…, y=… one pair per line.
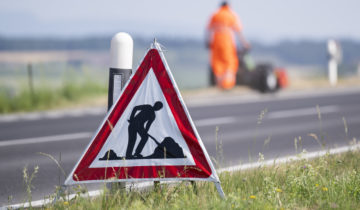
x=201, y=169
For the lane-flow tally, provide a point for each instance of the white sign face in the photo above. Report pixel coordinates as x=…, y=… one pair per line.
x=163, y=126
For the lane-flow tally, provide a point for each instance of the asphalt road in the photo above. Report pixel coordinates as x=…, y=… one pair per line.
x=246, y=127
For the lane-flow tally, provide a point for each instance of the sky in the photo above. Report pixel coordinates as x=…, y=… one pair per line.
x=263, y=20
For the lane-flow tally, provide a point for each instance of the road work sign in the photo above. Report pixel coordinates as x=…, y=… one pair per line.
x=147, y=135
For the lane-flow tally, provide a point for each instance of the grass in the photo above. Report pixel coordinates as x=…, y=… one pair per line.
x=50, y=86
x=327, y=182
x=47, y=97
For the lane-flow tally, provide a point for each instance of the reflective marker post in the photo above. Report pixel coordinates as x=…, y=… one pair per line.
x=335, y=55
x=121, y=56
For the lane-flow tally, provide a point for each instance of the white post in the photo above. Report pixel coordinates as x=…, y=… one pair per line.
x=334, y=58
x=121, y=51
x=333, y=72
x=121, y=56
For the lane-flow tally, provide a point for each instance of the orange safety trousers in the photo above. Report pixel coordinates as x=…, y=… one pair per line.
x=224, y=60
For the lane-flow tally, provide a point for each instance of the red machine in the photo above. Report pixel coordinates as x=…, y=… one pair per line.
x=262, y=76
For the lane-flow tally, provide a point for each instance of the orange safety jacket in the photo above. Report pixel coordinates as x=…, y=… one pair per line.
x=224, y=61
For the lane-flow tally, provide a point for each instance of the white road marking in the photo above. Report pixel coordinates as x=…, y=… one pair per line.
x=53, y=115
x=8, y=118
x=301, y=112
x=141, y=185
x=81, y=135
x=216, y=100
x=214, y=121
x=287, y=159
x=43, y=139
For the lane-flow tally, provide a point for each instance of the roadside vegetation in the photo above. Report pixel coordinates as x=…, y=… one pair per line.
x=327, y=182
x=50, y=90
x=47, y=97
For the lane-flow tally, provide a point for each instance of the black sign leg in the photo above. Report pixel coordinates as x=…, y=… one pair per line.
x=193, y=183
x=157, y=186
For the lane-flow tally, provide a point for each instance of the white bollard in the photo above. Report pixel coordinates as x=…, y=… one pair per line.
x=121, y=51
x=333, y=72
x=121, y=56
x=335, y=55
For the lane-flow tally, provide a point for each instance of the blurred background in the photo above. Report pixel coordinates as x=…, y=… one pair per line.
x=53, y=54
x=56, y=55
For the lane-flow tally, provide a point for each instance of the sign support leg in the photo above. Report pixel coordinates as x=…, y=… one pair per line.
x=193, y=183
x=219, y=189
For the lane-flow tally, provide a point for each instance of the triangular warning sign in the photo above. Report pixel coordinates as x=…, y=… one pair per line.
x=147, y=135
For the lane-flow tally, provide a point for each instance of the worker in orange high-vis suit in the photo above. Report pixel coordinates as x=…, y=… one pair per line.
x=223, y=29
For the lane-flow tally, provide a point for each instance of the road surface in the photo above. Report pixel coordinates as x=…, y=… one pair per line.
x=246, y=127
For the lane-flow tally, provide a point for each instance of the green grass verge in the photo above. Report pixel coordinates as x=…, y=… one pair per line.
x=328, y=182
x=47, y=97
